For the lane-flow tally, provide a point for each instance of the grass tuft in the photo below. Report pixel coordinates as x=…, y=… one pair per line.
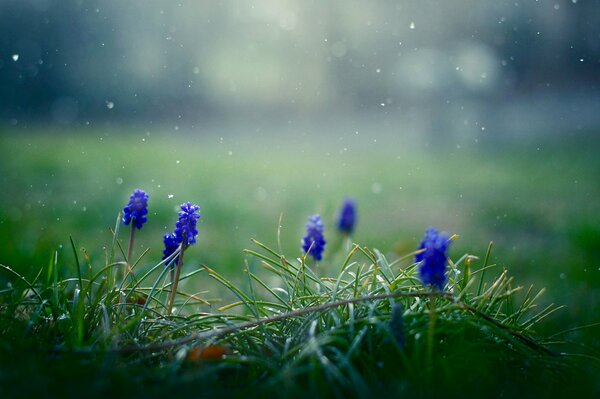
x=357, y=327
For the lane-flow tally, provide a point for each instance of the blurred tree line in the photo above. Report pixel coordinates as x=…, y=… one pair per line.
x=68, y=60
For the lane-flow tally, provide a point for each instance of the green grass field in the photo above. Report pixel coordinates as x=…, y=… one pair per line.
x=537, y=201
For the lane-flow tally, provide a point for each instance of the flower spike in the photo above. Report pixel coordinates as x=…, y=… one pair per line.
x=347, y=218
x=186, y=225
x=137, y=209
x=433, y=258
x=314, y=242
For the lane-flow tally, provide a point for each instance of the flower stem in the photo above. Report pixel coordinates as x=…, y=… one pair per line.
x=347, y=242
x=130, y=249
x=175, y=283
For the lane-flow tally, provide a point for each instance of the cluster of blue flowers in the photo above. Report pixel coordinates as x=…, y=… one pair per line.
x=432, y=259
x=314, y=241
x=136, y=211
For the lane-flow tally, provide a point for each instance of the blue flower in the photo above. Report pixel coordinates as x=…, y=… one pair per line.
x=186, y=225
x=433, y=259
x=171, y=245
x=314, y=240
x=347, y=218
x=137, y=209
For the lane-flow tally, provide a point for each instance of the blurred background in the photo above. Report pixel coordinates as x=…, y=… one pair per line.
x=480, y=118
x=445, y=67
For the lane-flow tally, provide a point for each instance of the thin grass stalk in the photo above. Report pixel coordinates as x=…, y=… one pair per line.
x=485, y=262
x=76, y=262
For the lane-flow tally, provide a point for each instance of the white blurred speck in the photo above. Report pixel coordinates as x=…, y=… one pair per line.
x=178, y=161
x=119, y=180
x=412, y=25
x=230, y=153
x=15, y=57
x=170, y=196
x=110, y=104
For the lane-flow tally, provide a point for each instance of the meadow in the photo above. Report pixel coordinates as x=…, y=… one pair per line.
x=536, y=199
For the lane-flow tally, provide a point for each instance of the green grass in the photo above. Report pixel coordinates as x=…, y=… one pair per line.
x=537, y=202
x=369, y=329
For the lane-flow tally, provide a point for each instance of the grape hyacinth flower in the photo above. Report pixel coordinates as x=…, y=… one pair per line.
x=135, y=213
x=171, y=246
x=137, y=209
x=314, y=242
x=186, y=225
x=434, y=258
x=185, y=234
x=347, y=218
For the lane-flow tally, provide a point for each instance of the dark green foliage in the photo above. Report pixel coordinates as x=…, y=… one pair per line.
x=362, y=332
